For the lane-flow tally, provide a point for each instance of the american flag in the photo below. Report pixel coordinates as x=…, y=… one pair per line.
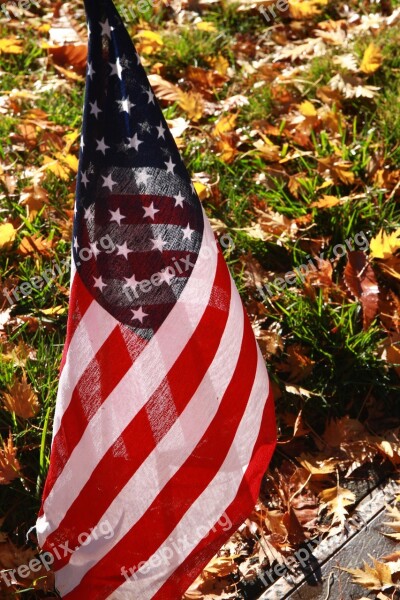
x=164, y=422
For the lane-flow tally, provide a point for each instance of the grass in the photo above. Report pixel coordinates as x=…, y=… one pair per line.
x=346, y=368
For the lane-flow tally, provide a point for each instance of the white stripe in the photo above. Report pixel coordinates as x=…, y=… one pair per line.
x=87, y=340
x=133, y=391
x=208, y=508
x=169, y=454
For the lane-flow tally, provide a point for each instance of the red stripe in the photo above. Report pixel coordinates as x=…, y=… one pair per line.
x=187, y=484
x=139, y=439
x=104, y=372
x=79, y=302
x=237, y=511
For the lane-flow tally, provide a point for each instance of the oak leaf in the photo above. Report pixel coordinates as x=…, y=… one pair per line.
x=335, y=501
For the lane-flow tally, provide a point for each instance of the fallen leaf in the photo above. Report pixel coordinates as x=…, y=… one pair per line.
x=8, y=234
x=360, y=279
x=335, y=501
x=9, y=464
x=377, y=577
x=11, y=46
x=21, y=399
x=372, y=59
x=73, y=56
x=384, y=245
x=192, y=103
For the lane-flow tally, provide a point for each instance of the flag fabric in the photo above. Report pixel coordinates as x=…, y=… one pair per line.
x=164, y=422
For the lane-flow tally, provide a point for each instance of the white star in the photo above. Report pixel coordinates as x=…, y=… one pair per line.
x=131, y=282
x=192, y=188
x=94, y=249
x=161, y=131
x=158, y=243
x=108, y=182
x=139, y=314
x=166, y=276
x=88, y=213
x=170, y=166
x=123, y=250
x=99, y=283
x=101, y=145
x=84, y=178
x=90, y=70
x=94, y=109
x=150, y=97
x=116, y=216
x=75, y=209
x=187, y=233
x=142, y=178
x=125, y=105
x=116, y=68
x=76, y=245
x=82, y=143
x=134, y=142
x=179, y=200
x=150, y=211
x=106, y=29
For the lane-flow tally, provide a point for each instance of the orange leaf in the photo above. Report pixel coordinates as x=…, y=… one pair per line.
x=9, y=465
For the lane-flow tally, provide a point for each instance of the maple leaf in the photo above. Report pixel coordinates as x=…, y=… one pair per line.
x=335, y=501
x=193, y=104
x=372, y=59
x=377, y=577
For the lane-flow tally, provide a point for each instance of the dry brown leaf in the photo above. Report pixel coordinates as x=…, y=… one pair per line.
x=32, y=244
x=377, y=577
x=164, y=89
x=394, y=513
x=9, y=464
x=297, y=364
x=335, y=501
x=21, y=399
x=73, y=56
x=372, y=59
x=34, y=198
x=360, y=279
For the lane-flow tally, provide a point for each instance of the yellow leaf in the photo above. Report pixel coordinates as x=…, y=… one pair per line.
x=219, y=64
x=225, y=124
x=307, y=109
x=21, y=399
x=372, y=59
x=57, y=167
x=192, y=103
x=72, y=161
x=11, y=46
x=305, y=9
x=55, y=310
x=202, y=190
x=149, y=41
x=206, y=26
x=7, y=235
x=384, y=245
